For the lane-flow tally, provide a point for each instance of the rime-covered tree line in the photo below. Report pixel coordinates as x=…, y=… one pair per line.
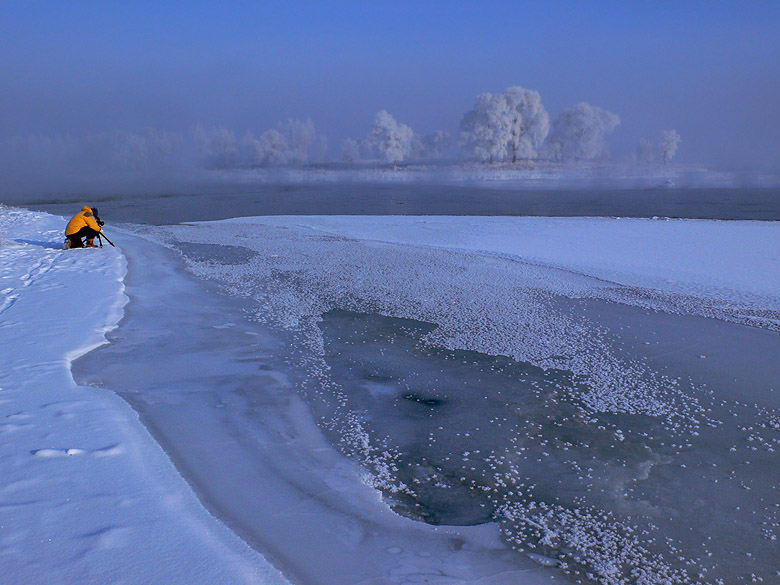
x=505, y=127
x=294, y=142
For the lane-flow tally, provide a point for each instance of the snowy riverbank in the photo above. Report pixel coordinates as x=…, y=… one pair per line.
x=589, y=438
x=86, y=494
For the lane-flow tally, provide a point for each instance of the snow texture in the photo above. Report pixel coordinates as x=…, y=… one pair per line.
x=86, y=495
x=715, y=269
x=727, y=269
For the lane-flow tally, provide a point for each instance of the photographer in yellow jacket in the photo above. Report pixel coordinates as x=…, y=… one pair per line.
x=85, y=224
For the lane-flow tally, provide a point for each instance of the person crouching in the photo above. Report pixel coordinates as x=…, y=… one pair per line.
x=85, y=224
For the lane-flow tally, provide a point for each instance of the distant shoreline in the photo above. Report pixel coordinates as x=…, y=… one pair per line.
x=523, y=174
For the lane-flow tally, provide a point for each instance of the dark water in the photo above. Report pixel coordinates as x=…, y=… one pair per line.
x=460, y=419
x=483, y=438
x=223, y=202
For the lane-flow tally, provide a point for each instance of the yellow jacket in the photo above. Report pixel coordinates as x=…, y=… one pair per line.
x=83, y=218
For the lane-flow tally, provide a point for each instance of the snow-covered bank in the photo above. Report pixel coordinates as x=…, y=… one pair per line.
x=86, y=495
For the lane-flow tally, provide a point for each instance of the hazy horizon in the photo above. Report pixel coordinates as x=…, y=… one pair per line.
x=706, y=69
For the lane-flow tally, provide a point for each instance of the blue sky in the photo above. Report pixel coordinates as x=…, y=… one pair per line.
x=708, y=69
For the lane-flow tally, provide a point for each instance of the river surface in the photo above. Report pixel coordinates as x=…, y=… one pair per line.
x=224, y=201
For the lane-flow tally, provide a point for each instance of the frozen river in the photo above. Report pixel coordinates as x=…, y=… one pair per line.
x=444, y=400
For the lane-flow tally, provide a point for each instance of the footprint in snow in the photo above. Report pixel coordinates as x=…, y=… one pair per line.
x=12, y=428
x=110, y=537
x=18, y=415
x=51, y=453
x=111, y=451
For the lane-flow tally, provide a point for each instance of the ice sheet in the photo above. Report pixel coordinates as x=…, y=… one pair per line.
x=218, y=392
x=615, y=418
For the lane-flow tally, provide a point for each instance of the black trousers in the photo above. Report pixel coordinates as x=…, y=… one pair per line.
x=85, y=232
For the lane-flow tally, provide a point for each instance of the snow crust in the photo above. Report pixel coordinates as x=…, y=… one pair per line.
x=86, y=495
x=709, y=268
x=727, y=262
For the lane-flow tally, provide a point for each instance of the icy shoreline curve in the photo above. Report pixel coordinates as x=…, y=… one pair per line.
x=87, y=495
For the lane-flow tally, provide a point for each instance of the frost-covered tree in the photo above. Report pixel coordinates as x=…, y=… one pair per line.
x=152, y=149
x=529, y=122
x=215, y=147
x=350, y=150
x=662, y=149
x=300, y=136
x=667, y=145
x=436, y=144
x=391, y=139
x=512, y=124
x=166, y=149
x=274, y=148
x=483, y=130
x=293, y=143
x=270, y=149
x=580, y=132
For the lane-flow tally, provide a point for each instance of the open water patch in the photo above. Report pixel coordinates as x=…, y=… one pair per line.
x=473, y=438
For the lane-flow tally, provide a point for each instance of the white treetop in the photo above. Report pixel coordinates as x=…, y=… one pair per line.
x=483, y=130
x=662, y=149
x=390, y=138
x=436, y=144
x=291, y=144
x=270, y=149
x=300, y=136
x=529, y=121
x=667, y=145
x=579, y=132
x=511, y=124
x=216, y=147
